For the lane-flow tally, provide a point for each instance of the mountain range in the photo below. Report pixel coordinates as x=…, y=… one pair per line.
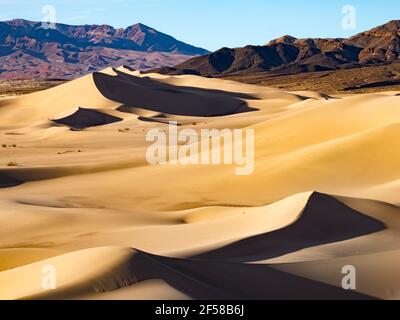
x=27, y=50
x=289, y=55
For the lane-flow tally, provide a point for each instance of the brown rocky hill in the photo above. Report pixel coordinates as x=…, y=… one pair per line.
x=27, y=50
x=288, y=55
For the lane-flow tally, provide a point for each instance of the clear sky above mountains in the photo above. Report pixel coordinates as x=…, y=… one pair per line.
x=216, y=23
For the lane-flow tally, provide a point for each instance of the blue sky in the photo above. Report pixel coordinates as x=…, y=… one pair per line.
x=216, y=23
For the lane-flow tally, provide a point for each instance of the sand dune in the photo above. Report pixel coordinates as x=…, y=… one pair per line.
x=324, y=193
x=324, y=220
x=155, y=96
x=128, y=267
x=85, y=118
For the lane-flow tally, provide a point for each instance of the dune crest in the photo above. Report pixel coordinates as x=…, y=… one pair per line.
x=78, y=193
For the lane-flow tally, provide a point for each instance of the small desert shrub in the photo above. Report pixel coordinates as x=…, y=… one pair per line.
x=12, y=164
x=4, y=145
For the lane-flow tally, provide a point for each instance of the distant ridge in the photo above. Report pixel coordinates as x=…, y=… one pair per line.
x=28, y=50
x=289, y=55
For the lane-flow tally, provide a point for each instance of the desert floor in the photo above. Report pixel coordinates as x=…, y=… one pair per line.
x=77, y=193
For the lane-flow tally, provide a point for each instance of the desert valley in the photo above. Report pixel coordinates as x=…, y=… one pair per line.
x=79, y=197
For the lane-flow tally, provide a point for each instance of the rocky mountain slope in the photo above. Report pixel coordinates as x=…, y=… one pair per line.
x=27, y=50
x=289, y=55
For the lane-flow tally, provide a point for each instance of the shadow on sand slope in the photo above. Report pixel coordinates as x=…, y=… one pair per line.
x=221, y=280
x=160, y=97
x=86, y=118
x=211, y=280
x=7, y=181
x=324, y=220
x=222, y=274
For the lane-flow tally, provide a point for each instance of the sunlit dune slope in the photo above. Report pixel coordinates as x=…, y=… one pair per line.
x=77, y=192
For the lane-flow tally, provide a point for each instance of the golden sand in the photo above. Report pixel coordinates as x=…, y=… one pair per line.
x=324, y=193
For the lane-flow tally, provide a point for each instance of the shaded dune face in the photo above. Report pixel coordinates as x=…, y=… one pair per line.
x=88, y=202
x=155, y=96
x=7, y=181
x=85, y=118
x=208, y=279
x=324, y=220
x=221, y=274
x=195, y=279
